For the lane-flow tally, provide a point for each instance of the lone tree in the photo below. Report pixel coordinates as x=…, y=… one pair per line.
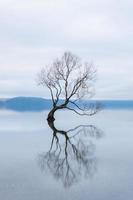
x=69, y=81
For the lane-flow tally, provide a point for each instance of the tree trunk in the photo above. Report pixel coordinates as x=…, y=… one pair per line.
x=50, y=117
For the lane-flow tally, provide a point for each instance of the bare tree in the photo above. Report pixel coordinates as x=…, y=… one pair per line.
x=71, y=80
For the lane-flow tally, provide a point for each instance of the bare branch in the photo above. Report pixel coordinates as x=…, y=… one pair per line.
x=68, y=78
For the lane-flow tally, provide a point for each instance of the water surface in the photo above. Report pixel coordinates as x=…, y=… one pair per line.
x=97, y=163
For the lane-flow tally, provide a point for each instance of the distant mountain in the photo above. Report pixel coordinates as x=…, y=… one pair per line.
x=40, y=104
x=26, y=104
x=117, y=104
x=1, y=104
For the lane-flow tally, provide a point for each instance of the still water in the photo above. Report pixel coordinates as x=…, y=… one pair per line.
x=80, y=158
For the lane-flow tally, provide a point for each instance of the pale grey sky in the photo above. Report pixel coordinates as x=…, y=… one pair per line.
x=34, y=32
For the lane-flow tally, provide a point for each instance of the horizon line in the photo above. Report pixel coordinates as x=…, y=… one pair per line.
x=48, y=98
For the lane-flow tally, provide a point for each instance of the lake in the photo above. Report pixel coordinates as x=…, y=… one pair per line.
x=84, y=158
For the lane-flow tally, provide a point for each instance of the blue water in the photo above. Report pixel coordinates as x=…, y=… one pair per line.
x=98, y=164
x=40, y=104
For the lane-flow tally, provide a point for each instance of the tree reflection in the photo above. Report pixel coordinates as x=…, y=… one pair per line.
x=71, y=154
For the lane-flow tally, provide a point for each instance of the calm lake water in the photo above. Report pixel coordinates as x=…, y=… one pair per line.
x=89, y=158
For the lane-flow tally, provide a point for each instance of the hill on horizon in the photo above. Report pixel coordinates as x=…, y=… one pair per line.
x=40, y=104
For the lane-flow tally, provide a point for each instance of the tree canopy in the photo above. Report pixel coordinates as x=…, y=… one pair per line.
x=69, y=79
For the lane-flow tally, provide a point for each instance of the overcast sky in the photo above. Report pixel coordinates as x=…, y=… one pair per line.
x=34, y=32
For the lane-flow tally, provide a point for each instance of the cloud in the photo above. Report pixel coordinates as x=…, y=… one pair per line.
x=34, y=32
x=25, y=87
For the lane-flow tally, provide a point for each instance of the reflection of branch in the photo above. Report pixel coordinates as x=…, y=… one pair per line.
x=69, y=160
x=87, y=130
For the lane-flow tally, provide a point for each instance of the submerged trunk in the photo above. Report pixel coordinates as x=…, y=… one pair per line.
x=50, y=117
